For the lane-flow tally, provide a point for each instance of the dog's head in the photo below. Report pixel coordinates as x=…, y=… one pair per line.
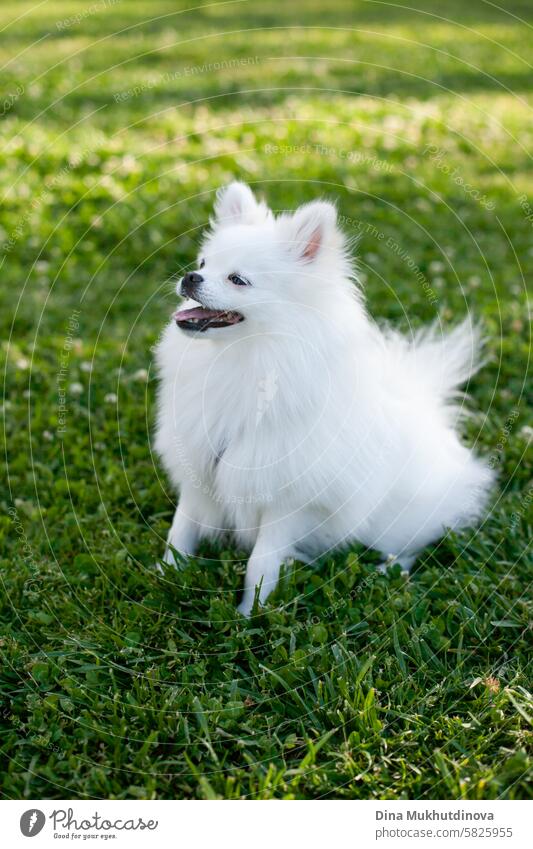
x=257, y=272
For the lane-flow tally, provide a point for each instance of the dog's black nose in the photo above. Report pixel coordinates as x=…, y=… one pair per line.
x=189, y=283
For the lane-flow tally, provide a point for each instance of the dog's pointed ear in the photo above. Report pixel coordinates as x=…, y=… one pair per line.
x=309, y=230
x=236, y=204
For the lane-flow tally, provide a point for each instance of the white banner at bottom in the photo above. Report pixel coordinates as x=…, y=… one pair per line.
x=312, y=824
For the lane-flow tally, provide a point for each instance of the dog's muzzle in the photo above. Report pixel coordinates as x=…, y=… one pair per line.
x=190, y=283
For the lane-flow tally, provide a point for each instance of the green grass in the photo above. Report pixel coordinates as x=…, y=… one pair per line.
x=116, y=130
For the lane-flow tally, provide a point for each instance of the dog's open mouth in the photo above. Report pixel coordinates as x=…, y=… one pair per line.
x=200, y=318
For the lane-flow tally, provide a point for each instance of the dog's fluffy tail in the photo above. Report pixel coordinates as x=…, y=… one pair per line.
x=449, y=359
x=441, y=361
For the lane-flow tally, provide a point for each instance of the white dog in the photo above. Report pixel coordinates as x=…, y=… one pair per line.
x=287, y=416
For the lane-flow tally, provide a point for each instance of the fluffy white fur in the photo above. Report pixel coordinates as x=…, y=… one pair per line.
x=305, y=426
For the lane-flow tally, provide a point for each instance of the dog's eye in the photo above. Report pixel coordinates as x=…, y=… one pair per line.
x=239, y=280
x=202, y=263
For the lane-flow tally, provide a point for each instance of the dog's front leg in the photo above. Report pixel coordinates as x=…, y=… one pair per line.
x=183, y=535
x=275, y=543
x=193, y=518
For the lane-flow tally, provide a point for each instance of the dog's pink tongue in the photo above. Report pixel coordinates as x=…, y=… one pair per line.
x=195, y=312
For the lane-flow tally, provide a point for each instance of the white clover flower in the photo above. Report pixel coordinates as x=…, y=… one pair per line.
x=526, y=433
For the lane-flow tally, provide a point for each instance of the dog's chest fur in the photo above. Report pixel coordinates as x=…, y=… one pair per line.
x=229, y=425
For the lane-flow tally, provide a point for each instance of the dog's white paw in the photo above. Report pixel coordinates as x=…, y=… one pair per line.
x=170, y=560
x=246, y=606
x=405, y=561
